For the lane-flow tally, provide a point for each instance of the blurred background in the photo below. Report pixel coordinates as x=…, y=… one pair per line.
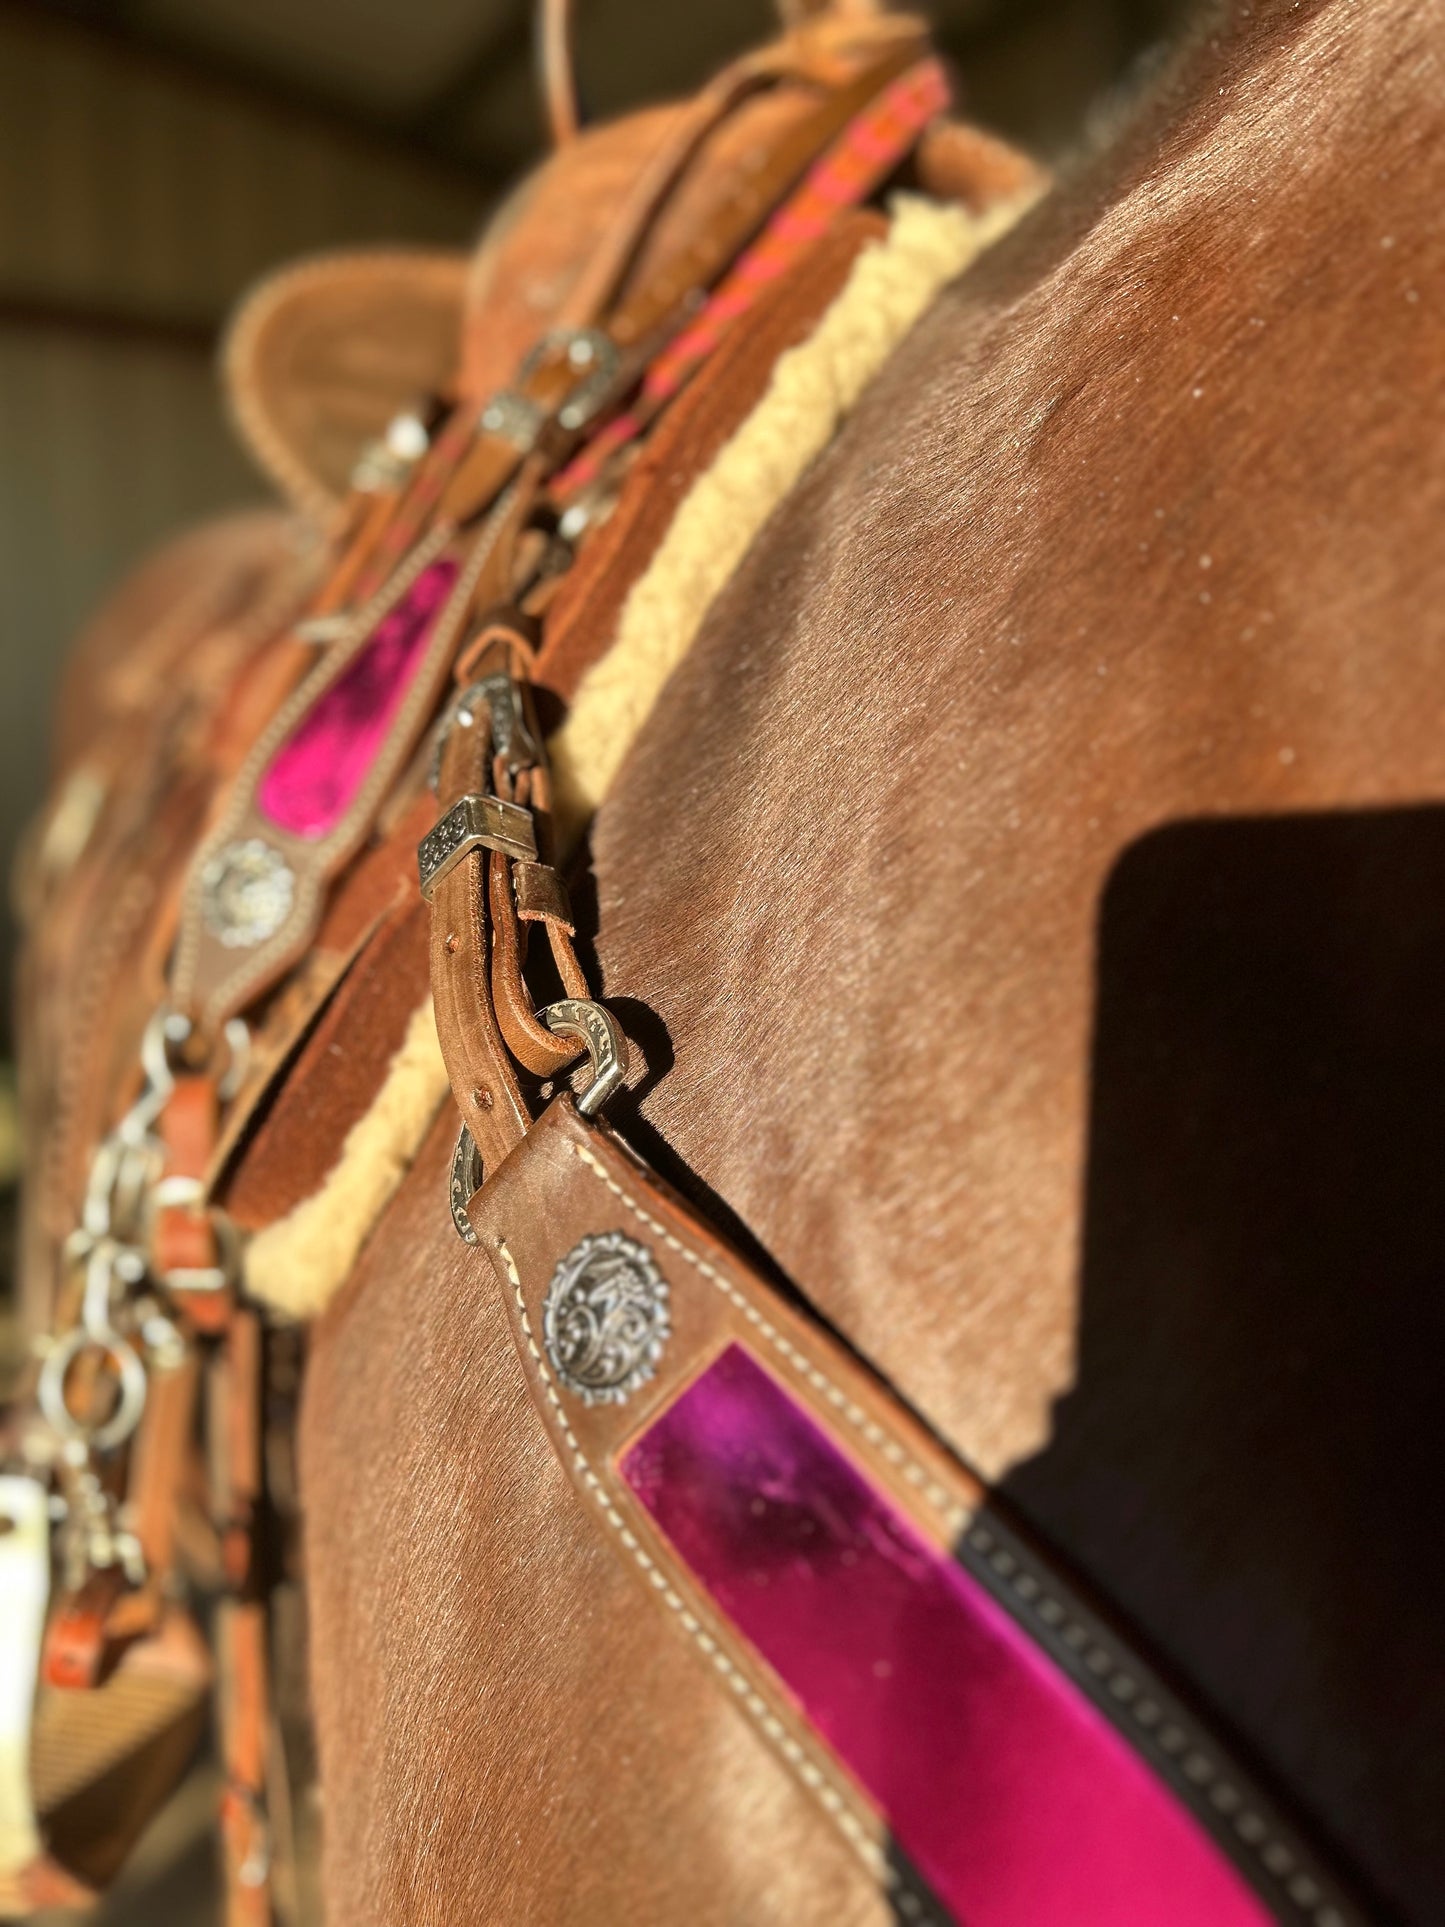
x=157, y=156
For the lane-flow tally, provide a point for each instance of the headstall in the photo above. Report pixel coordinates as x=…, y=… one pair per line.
x=985, y=1742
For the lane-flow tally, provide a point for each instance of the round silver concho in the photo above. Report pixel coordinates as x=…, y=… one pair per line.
x=247, y=890
x=605, y=1321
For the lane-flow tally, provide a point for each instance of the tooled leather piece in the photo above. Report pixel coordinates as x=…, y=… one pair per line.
x=99, y=1779
x=572, y=1181
x=154, y=668
x=856, y=67
x=540, y=245
x=482, y=1079
x=310, y=1124
x=320, y=356
x=215, y=979
x=138, y=650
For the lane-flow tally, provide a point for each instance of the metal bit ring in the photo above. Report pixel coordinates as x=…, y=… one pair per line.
x=50, y=1390
x=606, y=1047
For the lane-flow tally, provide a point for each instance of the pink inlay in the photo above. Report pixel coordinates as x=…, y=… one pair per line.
x=1017, y=1801
x=313, y=778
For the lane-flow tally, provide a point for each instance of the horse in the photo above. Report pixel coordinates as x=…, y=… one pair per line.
x=1018, y=893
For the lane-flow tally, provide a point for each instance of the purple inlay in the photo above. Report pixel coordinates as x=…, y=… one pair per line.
x=1014, y=1797
x=313, y=778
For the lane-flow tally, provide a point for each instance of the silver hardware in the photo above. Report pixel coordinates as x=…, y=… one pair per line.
x=131, y=1378
x=605, y=1320
x=592, y=356
x=247, y=890
x=321, y=631
x=474, y=823
x=512, y=739
x=189, y=1194
x=386, y=462
x=169, y=1031
x=514, y=418
x=606, y=1046
x=165, y=1030
x=121, y=1173
x=466, y=1180
x=93, y=1537
x=406, y=437
x=595, y=358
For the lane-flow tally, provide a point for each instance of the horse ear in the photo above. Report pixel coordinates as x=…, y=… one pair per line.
x=321, y=356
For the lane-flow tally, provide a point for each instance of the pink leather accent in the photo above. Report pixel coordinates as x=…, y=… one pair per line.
x=1017, y=1801
x=314, y=777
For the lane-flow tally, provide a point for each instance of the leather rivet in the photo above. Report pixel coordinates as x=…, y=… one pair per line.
x=482, y=1100
x=451, y=943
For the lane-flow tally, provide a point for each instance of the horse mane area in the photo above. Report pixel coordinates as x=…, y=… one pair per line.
x=1028, y=894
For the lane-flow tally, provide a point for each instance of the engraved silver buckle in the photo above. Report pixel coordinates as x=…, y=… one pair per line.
x=474, y=823
x=515, y=417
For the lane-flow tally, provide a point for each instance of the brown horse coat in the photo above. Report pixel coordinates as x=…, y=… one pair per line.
x=1102, y=655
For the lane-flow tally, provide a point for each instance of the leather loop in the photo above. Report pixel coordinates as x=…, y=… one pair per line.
x=543, y=1053
x=542, y=896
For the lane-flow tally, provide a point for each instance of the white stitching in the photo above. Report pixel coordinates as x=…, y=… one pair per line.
x=1198, y=1768
x=954, y=1517
x=767, y=1721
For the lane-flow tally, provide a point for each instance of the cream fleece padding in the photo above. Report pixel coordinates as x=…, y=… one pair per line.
x=298, y=1263
x=812, y=388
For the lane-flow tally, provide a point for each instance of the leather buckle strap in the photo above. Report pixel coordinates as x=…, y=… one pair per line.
x=587, y=360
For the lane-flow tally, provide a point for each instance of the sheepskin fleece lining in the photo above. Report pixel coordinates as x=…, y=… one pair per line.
x=297, y=1264
x=812, y=389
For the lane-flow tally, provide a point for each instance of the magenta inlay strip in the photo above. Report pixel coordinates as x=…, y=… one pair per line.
x=1017, y=1801
x=314, y=777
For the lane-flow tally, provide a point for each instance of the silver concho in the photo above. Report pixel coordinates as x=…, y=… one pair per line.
x=247, y=890
x=605, y=1321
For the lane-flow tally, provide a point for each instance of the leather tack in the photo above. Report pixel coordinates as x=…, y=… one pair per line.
x=542, y=896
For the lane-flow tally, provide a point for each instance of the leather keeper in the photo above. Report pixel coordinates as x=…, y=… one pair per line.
x=542, y=896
